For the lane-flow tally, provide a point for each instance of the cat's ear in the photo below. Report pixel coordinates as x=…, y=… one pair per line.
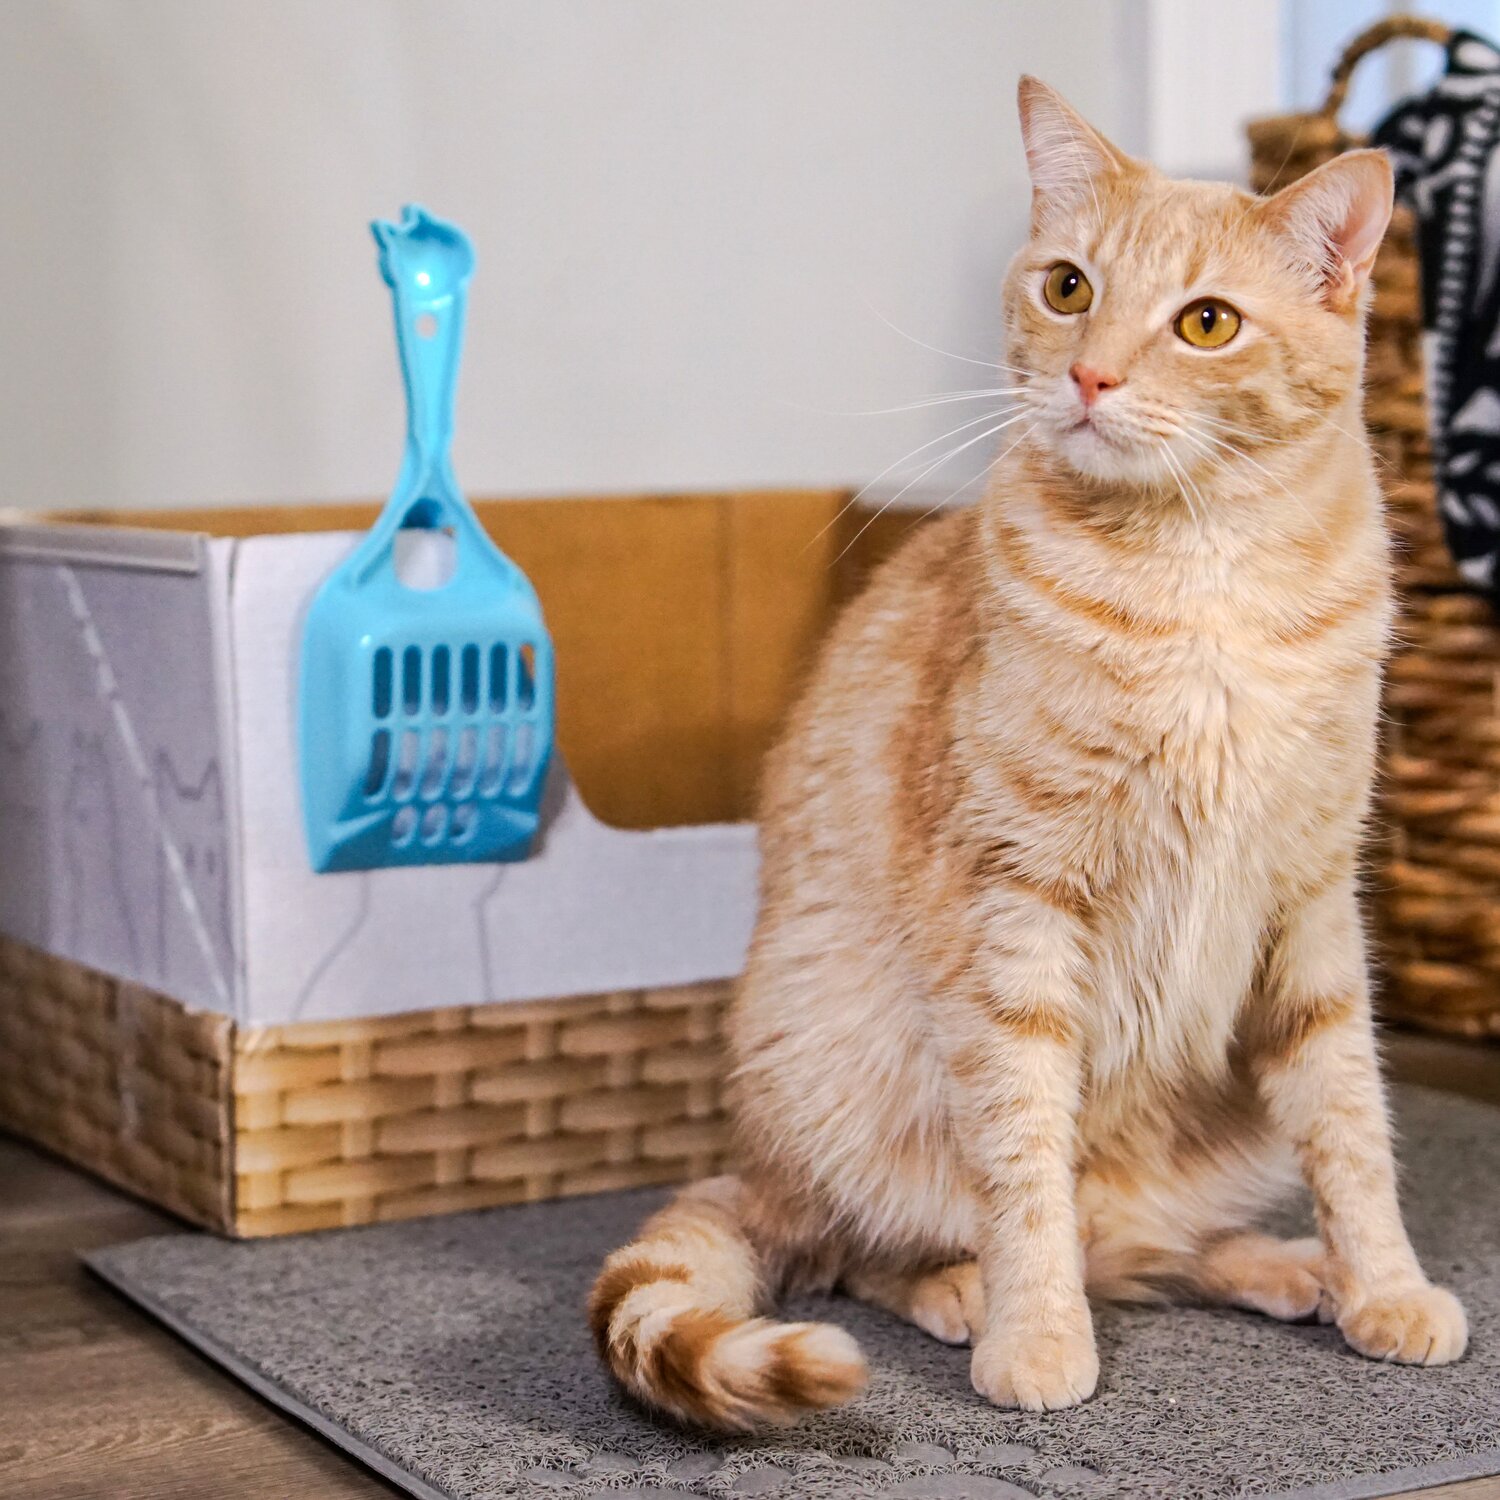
x=1334, y=219
x=1064, y=153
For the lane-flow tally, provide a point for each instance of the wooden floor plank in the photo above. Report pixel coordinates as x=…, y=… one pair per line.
x=98, y=1400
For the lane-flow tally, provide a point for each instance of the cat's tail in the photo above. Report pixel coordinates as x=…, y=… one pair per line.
x=673, y=1314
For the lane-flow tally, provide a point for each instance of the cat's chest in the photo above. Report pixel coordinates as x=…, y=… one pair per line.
x=1173, y=956
x=1234, y=765
x=1228, y=722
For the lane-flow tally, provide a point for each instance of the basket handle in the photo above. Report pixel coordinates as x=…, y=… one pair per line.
x=1393, y=28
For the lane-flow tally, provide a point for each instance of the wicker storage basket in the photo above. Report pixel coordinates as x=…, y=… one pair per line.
x=1436, y=875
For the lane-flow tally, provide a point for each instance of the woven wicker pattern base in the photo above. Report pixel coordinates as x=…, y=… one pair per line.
x=351, y=1122
x=118, y=1079
x=276, y=1129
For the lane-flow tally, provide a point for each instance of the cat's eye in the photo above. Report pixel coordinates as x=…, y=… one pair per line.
x=1067, y=289
x=1207, y=323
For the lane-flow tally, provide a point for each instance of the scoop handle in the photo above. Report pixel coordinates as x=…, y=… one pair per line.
x=430, y=335
x=427, y=263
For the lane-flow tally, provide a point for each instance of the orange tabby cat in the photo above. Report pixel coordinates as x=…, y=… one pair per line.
x=1060, y=971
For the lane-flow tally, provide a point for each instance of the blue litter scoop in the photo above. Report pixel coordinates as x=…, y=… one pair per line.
x=426, y=714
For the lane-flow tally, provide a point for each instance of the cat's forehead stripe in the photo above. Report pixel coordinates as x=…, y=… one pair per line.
x=1169, y=238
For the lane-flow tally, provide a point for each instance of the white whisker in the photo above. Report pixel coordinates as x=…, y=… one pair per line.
x=865, y=489
x=1202, y=441
x=1219, y=424
x=987, y=364
x=942, y=398
x=987, y=470
x=1180, y=476
x=918, y=477
x=1363, y=437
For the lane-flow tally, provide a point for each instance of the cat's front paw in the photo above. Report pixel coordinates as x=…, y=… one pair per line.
x=1418, y=1325
x=1036, y=1371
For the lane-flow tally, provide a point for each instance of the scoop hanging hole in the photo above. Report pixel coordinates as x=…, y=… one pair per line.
x=426, y=325
x=426, y=556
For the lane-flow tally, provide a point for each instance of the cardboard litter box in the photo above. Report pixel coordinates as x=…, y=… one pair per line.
x=191, y=1012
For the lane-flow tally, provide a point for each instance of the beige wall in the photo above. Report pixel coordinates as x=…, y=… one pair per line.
x=692, y=217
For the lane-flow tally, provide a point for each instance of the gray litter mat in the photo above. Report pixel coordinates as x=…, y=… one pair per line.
x=451, y=1356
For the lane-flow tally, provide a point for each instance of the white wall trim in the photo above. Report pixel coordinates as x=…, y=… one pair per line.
x=1209, y=68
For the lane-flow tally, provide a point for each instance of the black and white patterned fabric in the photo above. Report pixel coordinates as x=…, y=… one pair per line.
x=1444, y=149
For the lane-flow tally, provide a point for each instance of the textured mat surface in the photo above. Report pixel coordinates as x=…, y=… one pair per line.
x=451, y=1354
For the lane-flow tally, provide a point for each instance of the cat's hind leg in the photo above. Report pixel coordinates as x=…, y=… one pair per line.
x=1281, y=1278
x=947, y=1302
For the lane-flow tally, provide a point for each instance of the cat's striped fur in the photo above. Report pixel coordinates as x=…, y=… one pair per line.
x=1059, y=975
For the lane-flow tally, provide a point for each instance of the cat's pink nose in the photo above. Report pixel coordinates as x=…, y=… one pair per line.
x=1091, y=382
